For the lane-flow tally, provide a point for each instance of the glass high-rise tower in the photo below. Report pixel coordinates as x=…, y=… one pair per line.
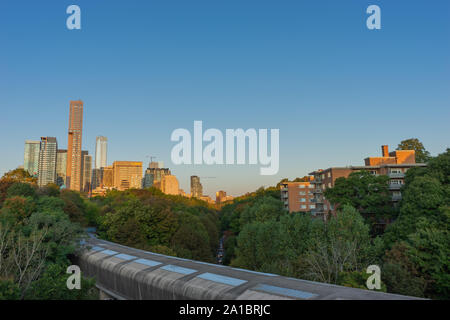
x=31, y=157
x=101, y=145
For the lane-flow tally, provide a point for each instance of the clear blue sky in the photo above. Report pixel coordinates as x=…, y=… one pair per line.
x=336, y=90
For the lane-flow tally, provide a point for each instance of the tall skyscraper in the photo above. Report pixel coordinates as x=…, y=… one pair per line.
x=196, y=187
x=97, y=176
x=86, y=170
x=107, y=174
x=100, y=152
x=127, y=174
x=154, y=175
x=47, y=161
x=31, y=157
x=148, y=179
x=73, y=175
x=61, y=167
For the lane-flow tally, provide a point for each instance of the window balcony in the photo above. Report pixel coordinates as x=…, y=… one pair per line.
x=396, y=197
x=316, y=211
x=395, y=186
x=396, y=175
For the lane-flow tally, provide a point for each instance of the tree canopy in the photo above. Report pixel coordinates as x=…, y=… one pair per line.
x=422, y=155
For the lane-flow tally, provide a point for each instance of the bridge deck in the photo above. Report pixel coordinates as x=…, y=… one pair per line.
x=129, y=273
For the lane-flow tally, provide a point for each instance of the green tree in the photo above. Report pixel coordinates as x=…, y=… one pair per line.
x=422, y=155
x=52, y=286
x=21, y=189
x=368, y=193
x=139, y=225
x=423, y=200
x=11, y=177
x=417, y=260
x=264, y=209
x=400, y=274
x=20, y=175
x=51, y=190
x=9, y=290
x=258, y=247
x=17, y=209
x=229, y=247
x=429, y=250
x=191, y=240
x=346, y=247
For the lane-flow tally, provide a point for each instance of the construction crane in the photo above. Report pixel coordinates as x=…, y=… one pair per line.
x=151, y=157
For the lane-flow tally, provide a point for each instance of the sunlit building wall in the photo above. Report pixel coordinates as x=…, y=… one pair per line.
x=74, y=158
x=169, y=185
x=127, y=175
x=196, y=187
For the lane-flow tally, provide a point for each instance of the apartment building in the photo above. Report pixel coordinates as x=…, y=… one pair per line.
x=169, y=185
x=221, y=197
x=61, y=167
x=127, y=175
x=154, y=175
x=298, y=196
x=393, y=164
x=196, y=187
x=47, y=161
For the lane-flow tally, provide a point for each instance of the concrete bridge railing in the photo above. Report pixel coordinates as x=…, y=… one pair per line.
x=126, y=273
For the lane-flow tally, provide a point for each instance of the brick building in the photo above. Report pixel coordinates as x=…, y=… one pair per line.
x=298, y=196
x=393, y=164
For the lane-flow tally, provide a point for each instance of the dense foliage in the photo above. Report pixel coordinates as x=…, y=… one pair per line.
x=150, y=220
x=36, y=240
x=367, y=193
x=418, y=242
x=413, y=252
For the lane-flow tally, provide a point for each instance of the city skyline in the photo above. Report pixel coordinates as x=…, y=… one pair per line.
x=53, y=162
x=268, y=67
